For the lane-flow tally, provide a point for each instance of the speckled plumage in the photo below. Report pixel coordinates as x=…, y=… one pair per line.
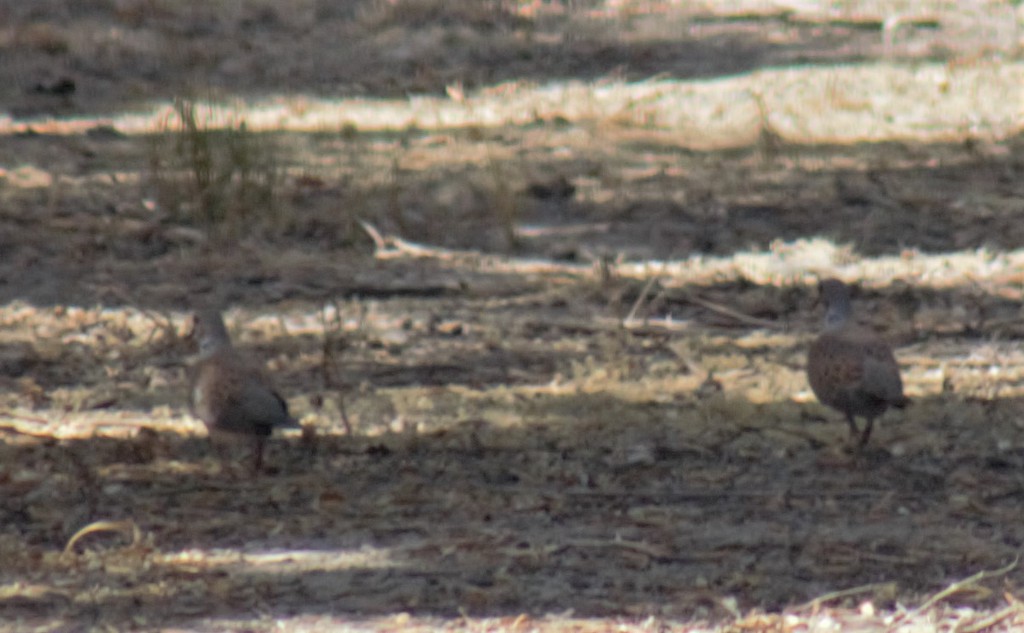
x=851, y=369
x=230, y=394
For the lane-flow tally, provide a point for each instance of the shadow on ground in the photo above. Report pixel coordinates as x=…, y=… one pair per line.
x=619, y=507
x=71, y=60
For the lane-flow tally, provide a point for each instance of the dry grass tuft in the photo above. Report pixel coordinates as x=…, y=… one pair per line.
x=225, y=180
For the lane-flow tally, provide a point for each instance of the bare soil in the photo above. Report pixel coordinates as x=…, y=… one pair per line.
x=564, y=388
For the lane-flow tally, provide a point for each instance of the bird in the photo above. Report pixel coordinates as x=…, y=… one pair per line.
x=850, y=368
x=233, y=397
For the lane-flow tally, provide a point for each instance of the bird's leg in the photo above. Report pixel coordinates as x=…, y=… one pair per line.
x=221, y=450
x=867, y=432
x=854, y=431
x=225, y=450
x=257, y=454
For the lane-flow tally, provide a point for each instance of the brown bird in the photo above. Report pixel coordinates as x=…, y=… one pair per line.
x=230, y=394
x=852, y=369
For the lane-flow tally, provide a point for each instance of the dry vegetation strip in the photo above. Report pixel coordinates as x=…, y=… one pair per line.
x=841, y=104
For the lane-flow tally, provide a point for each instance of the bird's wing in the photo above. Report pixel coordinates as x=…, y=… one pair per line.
x=835, y=363
x=261, y=378
x=234, y=395
x=881, y=376
x=259, y=406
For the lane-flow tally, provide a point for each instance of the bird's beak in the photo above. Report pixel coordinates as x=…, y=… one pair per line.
x=191, y=334
x=818, y=297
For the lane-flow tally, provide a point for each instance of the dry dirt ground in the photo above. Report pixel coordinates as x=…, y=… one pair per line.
x=548, y=358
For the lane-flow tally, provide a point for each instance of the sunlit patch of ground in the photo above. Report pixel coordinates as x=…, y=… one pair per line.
x=838, y=104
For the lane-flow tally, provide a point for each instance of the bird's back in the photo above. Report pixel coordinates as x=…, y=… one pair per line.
x=854, y=371
x=231, y=394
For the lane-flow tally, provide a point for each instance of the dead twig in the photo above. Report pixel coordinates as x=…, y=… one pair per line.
x=888, y=588
x=7, y=413
x=390, y=246
x=652, y=551
x=696, y=496
x=127, y=527
x=992, y=620
x=955, y=588
x=329, y=361
x=639, y=301
x=729, y=312
x=393, y=247
x=379, y=242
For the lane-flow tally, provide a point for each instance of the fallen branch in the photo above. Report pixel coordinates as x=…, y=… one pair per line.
x=729, y=312
x=393, y=247
x=388, y=246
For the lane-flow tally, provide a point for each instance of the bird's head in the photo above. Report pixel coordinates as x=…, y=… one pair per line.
x=836, y=296
x=209, y=332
